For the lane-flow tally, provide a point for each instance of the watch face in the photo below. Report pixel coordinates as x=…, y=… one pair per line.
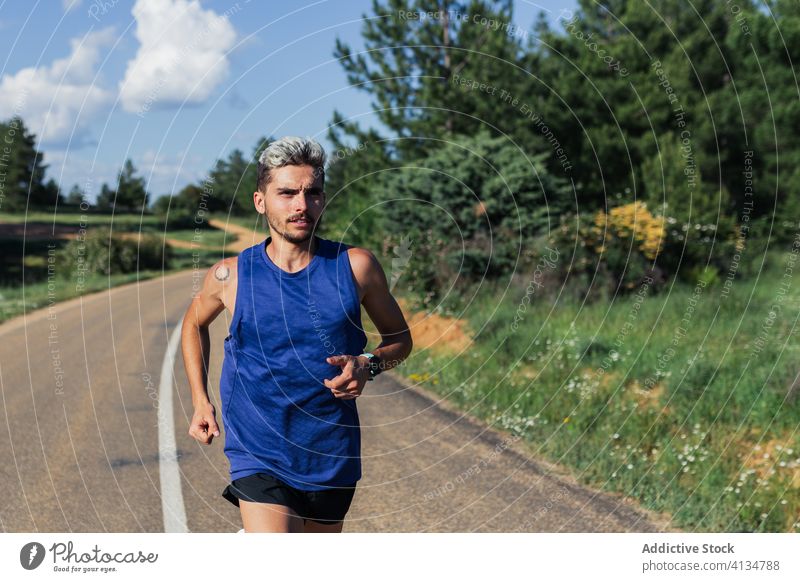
x=375, y=365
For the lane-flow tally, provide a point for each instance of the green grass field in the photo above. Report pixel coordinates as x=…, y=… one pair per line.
x=210, y=237
x=70, y=217
x=18, y=299
x=23, y=260
x=252, y=221
x=685, y=401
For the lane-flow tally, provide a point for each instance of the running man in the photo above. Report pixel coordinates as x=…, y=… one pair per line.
x=294, y=357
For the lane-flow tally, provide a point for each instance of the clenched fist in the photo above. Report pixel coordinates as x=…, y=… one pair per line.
x=204, y=424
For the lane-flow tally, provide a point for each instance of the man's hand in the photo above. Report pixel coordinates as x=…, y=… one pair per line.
x=355, y=373
x=204, y=425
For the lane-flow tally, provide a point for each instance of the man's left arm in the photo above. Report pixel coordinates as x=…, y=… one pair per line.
x=385, y=313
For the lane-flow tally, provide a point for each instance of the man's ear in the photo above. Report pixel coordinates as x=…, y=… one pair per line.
x=259, y=202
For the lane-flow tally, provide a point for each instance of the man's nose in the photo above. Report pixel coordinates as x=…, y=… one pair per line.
x=302, y=202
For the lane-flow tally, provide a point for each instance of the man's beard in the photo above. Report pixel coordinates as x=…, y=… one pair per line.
x=295, y=238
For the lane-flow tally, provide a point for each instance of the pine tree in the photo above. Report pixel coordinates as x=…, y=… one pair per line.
x=105, y=199
x=22, y=168
x=131, y=192
x=234, y=179
x=76, y=196
x=420, y=61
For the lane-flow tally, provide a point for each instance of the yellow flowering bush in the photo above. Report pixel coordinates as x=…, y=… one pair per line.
x=626, y=221
x=616, y=251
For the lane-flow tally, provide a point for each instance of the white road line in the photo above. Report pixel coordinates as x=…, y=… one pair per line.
x=171, y=493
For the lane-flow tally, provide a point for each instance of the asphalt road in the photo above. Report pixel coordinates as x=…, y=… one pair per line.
x=79, y=388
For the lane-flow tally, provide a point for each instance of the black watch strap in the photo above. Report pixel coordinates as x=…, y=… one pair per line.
x=374, y=365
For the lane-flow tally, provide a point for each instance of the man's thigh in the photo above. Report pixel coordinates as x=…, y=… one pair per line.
x=269, y=517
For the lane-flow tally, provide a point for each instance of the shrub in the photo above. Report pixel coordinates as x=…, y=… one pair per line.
x=472, y=209
x=615, y=253
x=105, y=253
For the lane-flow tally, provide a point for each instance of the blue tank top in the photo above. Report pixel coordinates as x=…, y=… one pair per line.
x=279, y=417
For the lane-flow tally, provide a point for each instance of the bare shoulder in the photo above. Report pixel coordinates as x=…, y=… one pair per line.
x=367, y=270
x=220, y=282
x=363, y=263
x=224, y=270
x=375, y=294
x=361, y=259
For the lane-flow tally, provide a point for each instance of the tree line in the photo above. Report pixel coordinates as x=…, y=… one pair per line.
x=643, y=140
x=24, y=185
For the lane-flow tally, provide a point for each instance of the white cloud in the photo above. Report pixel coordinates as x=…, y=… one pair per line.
x=182, y=57
x=61, y=98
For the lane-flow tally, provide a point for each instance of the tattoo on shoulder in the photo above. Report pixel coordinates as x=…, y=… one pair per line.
x=222, y=273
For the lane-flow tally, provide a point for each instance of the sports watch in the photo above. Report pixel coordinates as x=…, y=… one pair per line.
x=374, y=365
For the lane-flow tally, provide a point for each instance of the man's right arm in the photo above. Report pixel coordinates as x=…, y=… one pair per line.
x=196, y=349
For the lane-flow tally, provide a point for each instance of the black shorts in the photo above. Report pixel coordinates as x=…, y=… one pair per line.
x=327, y=506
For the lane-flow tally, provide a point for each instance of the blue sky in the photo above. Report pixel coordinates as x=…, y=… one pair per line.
x=176, y=84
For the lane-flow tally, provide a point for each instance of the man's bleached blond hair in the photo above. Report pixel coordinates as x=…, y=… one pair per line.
x=289, y=151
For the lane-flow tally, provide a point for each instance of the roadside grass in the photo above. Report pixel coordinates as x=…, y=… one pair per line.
x=207, y=237
x=26, y=284
x=122, y=222
x=118, y=223
x=697, y=419
x=16, y=300
x=253, y=222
